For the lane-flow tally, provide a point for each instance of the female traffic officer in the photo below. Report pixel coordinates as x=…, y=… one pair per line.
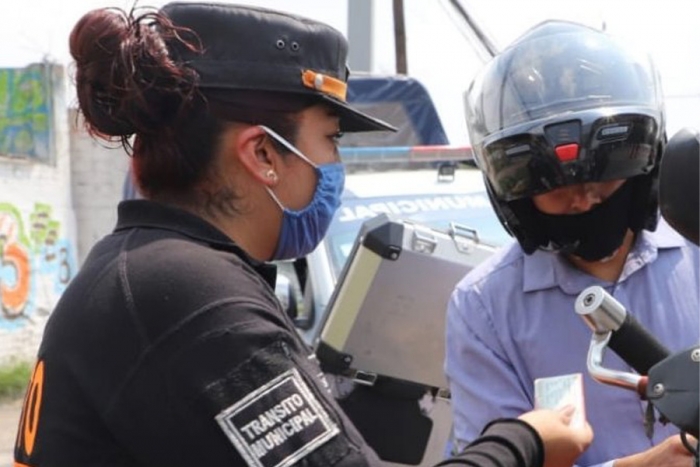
x=170, y=348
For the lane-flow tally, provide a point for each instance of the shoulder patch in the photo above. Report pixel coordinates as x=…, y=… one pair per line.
x=278, y=423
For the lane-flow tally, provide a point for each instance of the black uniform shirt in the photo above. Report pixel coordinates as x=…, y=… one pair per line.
x=170, y=348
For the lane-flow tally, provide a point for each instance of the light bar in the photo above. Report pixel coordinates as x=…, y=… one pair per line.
x=383, y=154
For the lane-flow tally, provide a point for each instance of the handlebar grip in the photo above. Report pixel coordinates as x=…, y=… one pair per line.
x=636, y=346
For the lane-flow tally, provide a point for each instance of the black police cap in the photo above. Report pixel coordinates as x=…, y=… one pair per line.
x=251, y=48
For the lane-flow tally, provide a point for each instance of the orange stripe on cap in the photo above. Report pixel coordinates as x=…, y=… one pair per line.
x=324, y=83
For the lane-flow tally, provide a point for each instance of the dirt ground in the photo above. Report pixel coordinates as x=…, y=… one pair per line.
x=9, y=417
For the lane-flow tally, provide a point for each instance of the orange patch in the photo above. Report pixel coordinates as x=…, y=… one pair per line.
x=29, y=421
x=324, y=83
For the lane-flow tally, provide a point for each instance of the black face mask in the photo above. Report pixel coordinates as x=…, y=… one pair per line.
x=595, y=234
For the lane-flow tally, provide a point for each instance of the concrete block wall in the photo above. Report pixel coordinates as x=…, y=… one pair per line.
x=98, y=170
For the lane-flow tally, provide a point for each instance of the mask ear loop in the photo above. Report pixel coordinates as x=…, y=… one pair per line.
x=287, y=144
x=291, y=148
x=271, y=173
x=274, y=198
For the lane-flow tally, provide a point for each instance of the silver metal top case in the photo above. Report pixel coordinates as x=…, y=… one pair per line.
x=387, y=314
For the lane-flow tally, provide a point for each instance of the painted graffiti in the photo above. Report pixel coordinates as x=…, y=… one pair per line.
x=36, y=263
x=25, y=111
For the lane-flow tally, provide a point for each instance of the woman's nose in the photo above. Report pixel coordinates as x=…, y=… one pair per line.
x=583, y=198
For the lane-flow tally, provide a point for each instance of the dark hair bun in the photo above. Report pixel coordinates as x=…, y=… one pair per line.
x=95, y=45
x=125, y=79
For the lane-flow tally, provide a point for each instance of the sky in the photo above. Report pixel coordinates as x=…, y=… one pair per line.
x=440, y=54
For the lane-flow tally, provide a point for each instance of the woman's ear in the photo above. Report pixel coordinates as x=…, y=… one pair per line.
x=257, y=155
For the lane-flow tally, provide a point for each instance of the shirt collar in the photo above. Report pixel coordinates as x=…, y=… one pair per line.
x=543, y=269
x=147, y=214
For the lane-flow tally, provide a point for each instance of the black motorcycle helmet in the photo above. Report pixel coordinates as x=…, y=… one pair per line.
x=565, y=104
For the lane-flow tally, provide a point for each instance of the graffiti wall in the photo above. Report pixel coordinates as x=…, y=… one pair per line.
x=37, y=219
x=25, y=112
x=36, y=263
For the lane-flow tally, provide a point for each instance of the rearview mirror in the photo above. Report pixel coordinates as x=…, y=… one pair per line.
x=286, y=295
x=289, y=293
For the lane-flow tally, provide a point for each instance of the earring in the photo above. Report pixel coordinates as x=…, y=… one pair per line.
x=271, y=175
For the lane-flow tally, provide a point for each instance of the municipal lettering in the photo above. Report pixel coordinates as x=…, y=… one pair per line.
x=283, y=432
x=273, y=417
x=412, y=206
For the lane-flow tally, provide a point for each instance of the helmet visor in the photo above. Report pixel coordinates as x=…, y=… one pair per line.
x=591, y=148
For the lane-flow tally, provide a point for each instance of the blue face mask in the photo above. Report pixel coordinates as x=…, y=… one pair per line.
x=303, y=230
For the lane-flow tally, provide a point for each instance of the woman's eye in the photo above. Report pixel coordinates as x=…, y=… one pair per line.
x=337, y=135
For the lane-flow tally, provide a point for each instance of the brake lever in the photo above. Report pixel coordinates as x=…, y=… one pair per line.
x=594, y=364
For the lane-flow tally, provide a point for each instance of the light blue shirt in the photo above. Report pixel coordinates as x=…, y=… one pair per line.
x=512, y=320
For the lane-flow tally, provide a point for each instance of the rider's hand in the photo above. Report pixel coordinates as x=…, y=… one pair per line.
x=562, y=442
x=670, y=453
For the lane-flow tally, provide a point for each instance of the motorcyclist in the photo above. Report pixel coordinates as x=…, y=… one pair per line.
x=568, y=128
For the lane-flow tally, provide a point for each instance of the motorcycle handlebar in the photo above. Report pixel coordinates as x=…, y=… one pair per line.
x=636, y=346
x=628, y=339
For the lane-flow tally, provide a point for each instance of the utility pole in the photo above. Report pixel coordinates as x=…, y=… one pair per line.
x=400, y=38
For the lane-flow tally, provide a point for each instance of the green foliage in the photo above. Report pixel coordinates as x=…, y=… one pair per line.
x=14, y=378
